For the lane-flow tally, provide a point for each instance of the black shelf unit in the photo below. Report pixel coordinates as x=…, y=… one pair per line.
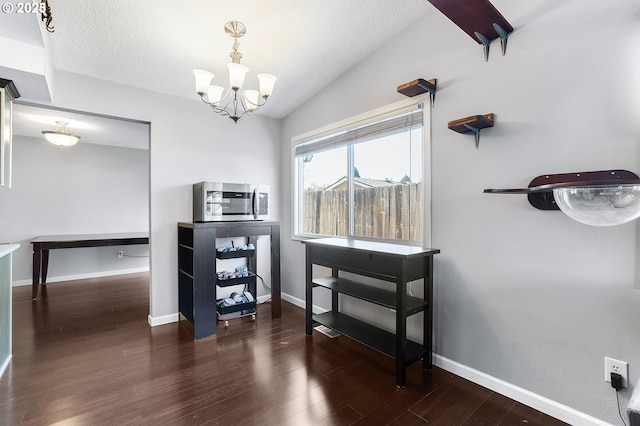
x=389, y=262
x=197, y=271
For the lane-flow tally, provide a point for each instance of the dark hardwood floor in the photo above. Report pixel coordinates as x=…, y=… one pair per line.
x=84, y=354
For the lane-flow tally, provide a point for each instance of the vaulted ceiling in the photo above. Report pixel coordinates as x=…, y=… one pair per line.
x=156, y=45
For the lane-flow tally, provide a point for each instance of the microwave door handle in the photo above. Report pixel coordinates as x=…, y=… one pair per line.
x=254, y=204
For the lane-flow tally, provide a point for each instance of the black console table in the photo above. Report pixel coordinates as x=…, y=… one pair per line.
x=389, y=262
x=197, y=279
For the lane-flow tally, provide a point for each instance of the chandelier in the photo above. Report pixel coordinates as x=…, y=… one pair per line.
x=61, y=135
x=234, y=102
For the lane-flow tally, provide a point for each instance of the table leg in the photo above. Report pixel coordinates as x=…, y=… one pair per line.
x=45, y=265
x=401, y=343
x=37, y=258
x=401, y=328
x=334, y=293
x=308, y=313
x=427, y=359
x=276, y=291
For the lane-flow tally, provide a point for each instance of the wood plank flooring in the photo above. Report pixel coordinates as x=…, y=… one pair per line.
x=84, y=354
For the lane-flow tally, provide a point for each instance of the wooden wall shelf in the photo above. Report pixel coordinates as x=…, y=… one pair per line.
x=478, y=18
x=472, y=125
x=418, y=87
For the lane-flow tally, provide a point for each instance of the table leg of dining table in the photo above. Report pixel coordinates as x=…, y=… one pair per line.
x=37, y=262
x=45, y=265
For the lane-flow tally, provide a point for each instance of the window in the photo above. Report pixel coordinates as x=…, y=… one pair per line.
x=364, y=177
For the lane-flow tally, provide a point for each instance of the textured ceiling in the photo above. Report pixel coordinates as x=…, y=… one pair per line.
x=156, y=44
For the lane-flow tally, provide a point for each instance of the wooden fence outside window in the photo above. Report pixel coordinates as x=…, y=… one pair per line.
x=392, y=212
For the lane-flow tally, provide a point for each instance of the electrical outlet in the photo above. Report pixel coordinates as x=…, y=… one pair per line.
x=614, y=366
x=120, y=254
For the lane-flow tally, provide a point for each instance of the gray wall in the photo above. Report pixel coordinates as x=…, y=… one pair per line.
x=525, y=296
x=189, y=143
x=82, y=189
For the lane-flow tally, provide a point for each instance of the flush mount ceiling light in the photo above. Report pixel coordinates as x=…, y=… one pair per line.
x=61, y=135
x=602, y=198
x=235, y=102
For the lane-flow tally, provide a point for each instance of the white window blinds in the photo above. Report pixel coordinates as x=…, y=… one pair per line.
x=377, y=127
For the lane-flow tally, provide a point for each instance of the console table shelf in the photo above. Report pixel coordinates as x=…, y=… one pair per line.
x=371, y=294
x=389, y=262
x=369, y=335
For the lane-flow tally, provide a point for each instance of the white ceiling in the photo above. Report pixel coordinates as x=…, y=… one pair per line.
x=156, y=45
x=30, y=121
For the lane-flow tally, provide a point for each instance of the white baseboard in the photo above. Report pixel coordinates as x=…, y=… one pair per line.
x=162, y=320
x=301, y=303
x=538, y=402
x=298, y=302
x=5, y=364
x=19, y=283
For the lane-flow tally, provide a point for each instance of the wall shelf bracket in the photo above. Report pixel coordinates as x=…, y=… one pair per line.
x=485, y=45
x=504, y=36
x=476, y=133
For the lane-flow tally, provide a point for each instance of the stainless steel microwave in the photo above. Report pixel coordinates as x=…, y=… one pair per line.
x=219, y=201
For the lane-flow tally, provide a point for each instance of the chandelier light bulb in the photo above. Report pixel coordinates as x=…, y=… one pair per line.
x=251, y=96
x=266, y=84
x=214, y=94
x=203, y=80
x=237, y=73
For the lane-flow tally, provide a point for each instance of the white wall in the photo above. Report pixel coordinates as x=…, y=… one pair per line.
x=523, y=295
x=82, y=189
x=189, y=143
